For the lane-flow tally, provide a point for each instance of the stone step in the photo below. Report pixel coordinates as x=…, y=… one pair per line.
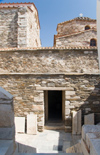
x=6, y=147
x=50, y=127
x=54, y=126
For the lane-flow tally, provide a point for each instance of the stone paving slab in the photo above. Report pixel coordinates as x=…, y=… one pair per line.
x=48, y=141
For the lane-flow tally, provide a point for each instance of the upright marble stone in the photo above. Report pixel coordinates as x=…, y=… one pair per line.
x=74, y=122
x=89, y=119
x=32, y=124
x=20, y=124
x=79, y=122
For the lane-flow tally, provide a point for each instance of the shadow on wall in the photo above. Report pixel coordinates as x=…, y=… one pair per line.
x=22, y=148
x=12, y=38
x=92, y=103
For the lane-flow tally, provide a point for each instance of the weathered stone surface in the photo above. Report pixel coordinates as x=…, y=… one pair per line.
x=6, y=147
x=67, y=112
x=5, y=95
x=40, y=62
x=7, y=133
x=32, y=124
x=68, y=121
x=17, y=28
x=68, y=93
x=74, y=122
x=25, y=103
x=79, y=122
x=22, y=148
x=71, y=33
x=68, y=129
x=74, y=149
x=89, y=119
x=89, y=136
x=20, y=124
x=38, y=107
x=85, y=151
x=94, y=146
x=6, y=115
x=89, y=129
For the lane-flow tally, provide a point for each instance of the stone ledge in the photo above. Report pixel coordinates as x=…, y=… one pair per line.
x=51, y=74
x=62, y=48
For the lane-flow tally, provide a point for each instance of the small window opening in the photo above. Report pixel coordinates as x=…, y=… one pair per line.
x=87, y=27
x=93, y=42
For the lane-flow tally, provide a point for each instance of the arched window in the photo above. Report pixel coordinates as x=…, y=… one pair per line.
x=87, y=27
x=93, y=42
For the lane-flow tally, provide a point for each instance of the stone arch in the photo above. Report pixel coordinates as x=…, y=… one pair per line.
x=93, y=42
x=87, y=27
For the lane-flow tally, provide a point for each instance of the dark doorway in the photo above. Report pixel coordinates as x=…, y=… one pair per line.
x=54, y=105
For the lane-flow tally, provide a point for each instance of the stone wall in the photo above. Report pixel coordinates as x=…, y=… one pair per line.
x=22, y=27
x=74, y=27
x=81, y=92
x=49, y=61
x=33, y=29
x=80, y=39
x=19, y=26
x=8, y=27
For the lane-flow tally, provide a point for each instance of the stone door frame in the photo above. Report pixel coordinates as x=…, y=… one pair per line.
x=45, y=90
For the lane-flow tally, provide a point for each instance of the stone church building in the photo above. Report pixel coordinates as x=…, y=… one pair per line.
x=50, y=82
x=80, y=31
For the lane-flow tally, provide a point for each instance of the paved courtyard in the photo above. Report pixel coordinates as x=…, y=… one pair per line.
x=49, y=141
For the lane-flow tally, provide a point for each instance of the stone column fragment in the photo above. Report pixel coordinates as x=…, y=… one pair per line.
x=79, y=122
x=74, y=122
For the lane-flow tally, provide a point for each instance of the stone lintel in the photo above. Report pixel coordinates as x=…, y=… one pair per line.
x=53, y=88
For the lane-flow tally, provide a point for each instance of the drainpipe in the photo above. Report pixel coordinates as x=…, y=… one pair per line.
x=98, y=30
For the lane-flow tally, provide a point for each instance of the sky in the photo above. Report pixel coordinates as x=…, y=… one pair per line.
x=52, y=12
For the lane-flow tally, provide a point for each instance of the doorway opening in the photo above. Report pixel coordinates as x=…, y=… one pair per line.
x=54, y=105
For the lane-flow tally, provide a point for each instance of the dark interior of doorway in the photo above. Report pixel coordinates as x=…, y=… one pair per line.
x=54, y=105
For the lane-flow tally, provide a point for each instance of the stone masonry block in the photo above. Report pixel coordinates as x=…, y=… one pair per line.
x=89, y=136
x=74, y=122
x=68, y=93
x=6, y=147
x=6, y=115
x=7, y=133
x=5, y=95
x=68, y=121
x=20, y=124
x=38, y=99
x=38, y=107
x=89, y=129
x=94, y=146
x=67, y=112
x=89, y=119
